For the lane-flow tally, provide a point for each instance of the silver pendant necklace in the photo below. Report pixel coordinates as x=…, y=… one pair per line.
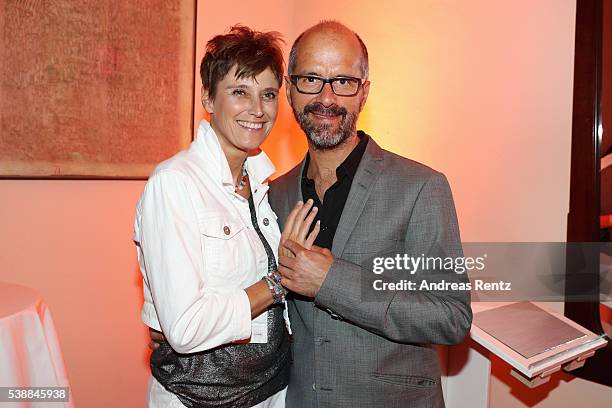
x=243, y=180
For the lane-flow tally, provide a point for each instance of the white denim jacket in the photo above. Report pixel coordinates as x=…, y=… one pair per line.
x=197, y=248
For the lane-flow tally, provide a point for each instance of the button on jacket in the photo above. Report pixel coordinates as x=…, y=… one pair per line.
x=197, y=248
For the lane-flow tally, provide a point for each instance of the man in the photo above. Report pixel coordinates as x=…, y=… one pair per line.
x=348, y=352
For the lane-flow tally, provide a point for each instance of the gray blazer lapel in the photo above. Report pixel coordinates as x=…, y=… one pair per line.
x=295, y=188
x=368, y=171
x=292, y=185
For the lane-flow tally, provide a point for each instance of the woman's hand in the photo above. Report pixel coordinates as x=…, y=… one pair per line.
x=156, y=338
x=297, y=226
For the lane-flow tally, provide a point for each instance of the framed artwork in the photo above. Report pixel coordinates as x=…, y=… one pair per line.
x=94, y=88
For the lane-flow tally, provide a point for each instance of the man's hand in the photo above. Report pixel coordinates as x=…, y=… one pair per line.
x=305, y=273
x=156, y=338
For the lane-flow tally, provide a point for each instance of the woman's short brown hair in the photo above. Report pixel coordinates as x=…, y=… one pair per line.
x=251, y=52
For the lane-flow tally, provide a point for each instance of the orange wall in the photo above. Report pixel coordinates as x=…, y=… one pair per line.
x=71, y=240
x=480, y=90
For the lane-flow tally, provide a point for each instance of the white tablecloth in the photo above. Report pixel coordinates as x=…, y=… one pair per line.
x=30, y=355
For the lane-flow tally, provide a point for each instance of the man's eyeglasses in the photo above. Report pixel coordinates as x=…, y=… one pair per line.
x=313, y=84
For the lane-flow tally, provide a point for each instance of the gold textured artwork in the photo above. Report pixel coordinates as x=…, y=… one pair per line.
x=94, y=88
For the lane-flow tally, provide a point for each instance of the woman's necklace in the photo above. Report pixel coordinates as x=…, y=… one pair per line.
x=243, y=180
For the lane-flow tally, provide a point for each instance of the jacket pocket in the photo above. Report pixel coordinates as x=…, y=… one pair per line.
x=405, y=380
x=362, y=252
x=223, y=240
x=219, y=227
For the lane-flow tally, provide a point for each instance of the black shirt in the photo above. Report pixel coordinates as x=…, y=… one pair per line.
x=335, y=196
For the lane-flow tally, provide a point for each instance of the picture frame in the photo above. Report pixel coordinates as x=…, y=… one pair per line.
x=95, y=89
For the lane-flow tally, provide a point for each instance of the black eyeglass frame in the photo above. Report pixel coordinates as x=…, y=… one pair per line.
x=294, y=78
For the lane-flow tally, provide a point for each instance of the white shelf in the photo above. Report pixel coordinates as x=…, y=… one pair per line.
x=569, y=355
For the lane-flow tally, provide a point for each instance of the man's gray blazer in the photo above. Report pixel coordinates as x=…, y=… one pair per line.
x=352, y=353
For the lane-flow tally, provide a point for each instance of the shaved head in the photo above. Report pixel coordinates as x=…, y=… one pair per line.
x=328, y=31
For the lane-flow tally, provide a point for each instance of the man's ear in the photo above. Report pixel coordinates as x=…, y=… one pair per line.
x=288, y=90
x=207, y=101
x=366, y=90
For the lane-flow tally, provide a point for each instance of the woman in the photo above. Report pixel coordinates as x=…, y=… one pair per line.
x=207, y=241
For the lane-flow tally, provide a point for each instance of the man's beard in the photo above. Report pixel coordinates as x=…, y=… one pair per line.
x=326, y=136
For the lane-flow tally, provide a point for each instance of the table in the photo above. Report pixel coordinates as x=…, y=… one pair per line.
x=468, y=369
x=30, y=354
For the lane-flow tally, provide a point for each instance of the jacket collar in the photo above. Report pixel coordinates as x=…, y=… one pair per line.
x=258, y=165
x=368, y=171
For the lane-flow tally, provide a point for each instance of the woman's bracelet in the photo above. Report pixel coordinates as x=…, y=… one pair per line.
x=276, y=276
x=278, y=291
